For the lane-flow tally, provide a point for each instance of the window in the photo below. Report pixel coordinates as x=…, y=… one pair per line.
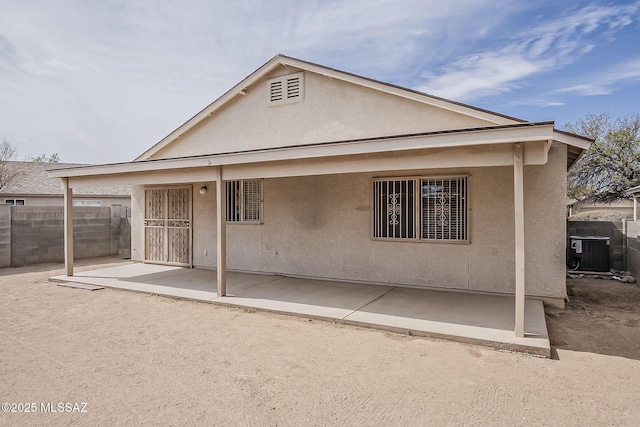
x=244, y=201
x=443, y=209
x=286, y=89
x=394, y=205
x=16, y=202
x=440, y=214
x=87, y=203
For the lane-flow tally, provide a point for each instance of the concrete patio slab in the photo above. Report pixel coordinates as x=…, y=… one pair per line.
x=473, y=318
x=479, y=319
x=316, y=298
x=82, y=286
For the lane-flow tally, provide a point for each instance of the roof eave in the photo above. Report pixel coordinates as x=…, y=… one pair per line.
x=507, y=134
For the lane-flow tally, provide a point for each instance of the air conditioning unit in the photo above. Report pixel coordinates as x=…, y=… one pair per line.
x=589, y=253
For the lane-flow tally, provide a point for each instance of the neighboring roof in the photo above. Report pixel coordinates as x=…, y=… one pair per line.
x=589, y=203
x=634, y=190
x=282, y=60
x=34, y=181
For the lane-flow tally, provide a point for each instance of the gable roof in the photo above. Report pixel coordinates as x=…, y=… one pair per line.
x=282, y=60
x=34, y=181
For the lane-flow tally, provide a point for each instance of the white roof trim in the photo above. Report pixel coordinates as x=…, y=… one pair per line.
x=281, y=60
x=526, y=132
x=573, y=140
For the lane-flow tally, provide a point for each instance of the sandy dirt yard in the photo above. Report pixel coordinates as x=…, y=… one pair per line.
x=143, y=359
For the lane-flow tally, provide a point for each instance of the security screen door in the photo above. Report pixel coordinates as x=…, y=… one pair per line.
x=167, y=225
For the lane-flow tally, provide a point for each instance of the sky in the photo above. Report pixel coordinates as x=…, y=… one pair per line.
x=101, y=81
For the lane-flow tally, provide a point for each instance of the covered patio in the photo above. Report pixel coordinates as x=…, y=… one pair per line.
x=460, y=316
x=430, y=217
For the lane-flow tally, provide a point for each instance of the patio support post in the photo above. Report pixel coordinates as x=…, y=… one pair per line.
x=221, y=233
x=635, y=208
x=518, y=193
x=68, y=226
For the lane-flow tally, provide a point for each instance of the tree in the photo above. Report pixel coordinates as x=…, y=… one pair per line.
x=612, y=164
x=43, y=158
x=9, y=170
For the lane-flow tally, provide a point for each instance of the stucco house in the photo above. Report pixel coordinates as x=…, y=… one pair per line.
x=621, y=208
x=33, y=187
x=308, y=171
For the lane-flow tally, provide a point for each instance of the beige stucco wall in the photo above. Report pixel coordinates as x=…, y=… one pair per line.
x=320, y=226
x=137, y=222
x=332, y=110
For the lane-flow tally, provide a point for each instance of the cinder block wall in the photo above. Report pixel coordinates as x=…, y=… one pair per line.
x=612, y=230
x=37, y=233
x=633, y=248
x=5, y=235
x=124, y=242
x=92, y=232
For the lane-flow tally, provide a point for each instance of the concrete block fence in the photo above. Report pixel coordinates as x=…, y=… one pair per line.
x=35, y=234
x=624, y=240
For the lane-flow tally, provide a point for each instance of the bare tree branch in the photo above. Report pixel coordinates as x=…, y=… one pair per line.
x=612, y=164
x=10, y=171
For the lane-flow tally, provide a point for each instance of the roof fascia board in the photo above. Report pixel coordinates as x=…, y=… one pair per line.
x=503, y=135
x=571, y=139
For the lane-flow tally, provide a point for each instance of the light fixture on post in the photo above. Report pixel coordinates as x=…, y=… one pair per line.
x=203, y=190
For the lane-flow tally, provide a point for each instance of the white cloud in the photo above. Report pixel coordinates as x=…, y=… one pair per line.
x=545, y=47
x=482, y=75
x=538, y=102
x=608, y=80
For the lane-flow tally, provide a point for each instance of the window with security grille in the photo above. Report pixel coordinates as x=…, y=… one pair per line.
x=286, y=89
x=429, y=208
x=443, y=209
x=394, y=209
x=244, y=201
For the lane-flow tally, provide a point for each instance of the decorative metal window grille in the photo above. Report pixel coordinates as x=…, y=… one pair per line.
x=394, y=209
x=440, y=215
x=443, y=209
x=244, y=201
x=286, y=89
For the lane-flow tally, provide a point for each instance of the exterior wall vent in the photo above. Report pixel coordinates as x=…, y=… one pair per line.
x=286, y=89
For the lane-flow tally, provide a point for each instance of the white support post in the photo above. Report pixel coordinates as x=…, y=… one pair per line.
x=635, y=208
x=221, y=233
x=68, y=226
x=518, y=193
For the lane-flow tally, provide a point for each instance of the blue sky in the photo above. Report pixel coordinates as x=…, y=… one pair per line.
x=102, y=81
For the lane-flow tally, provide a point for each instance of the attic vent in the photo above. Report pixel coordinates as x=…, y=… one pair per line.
x=276, y=91
x=293, y=87
x=286, y=89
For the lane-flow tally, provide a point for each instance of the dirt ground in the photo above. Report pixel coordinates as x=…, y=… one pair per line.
x=142, y=359
x=602, y=316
